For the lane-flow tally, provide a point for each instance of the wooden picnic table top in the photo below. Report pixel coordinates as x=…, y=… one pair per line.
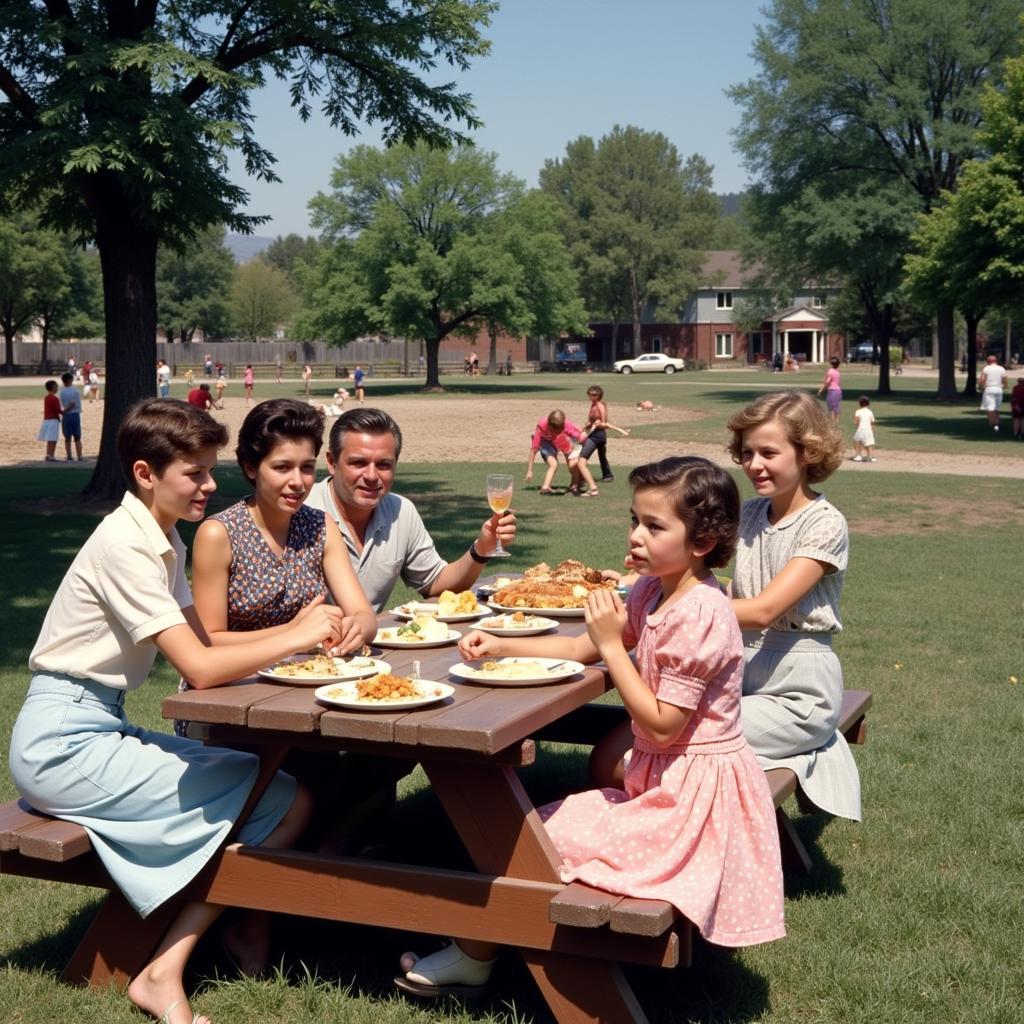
x=479, y=718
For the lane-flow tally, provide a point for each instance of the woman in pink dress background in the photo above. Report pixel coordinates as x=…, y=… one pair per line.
x=695, y=823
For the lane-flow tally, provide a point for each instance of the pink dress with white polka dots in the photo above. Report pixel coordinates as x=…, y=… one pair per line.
x=696, y=824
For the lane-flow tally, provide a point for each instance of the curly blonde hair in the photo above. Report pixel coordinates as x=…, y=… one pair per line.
x=808, y=429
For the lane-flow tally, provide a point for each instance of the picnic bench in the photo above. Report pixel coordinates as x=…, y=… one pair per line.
x=573, y=938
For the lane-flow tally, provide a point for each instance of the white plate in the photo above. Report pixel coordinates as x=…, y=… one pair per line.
x=345, y=670
x=411, y=609
x=556, y=613
x=472, y=674
x=486, y=589
x=387, y=638
x=541, y=625
x=344, y=695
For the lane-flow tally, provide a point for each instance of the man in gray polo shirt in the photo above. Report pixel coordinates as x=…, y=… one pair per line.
x=385, y=535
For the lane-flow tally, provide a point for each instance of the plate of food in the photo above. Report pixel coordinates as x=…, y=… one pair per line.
x=317, y=669
x=449, y=607
x=486, y=589
x=419, y=631
x=516, y=624
x=517, y=671
x=561, y=592
x=384, y=692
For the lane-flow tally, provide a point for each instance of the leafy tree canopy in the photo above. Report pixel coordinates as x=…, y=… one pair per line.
x=425, y=243
x=192, y=285
x=262, y=299
x=118, y=115
x=637, y=219
x=285, y=251
x=865, y=104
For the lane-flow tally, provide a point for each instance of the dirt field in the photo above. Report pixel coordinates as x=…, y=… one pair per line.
x=487, y=430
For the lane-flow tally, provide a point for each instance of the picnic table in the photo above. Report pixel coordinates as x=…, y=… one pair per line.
x=573, y=938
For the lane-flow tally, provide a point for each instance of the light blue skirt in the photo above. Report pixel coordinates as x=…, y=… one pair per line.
x=157, y=807
x=792, y=699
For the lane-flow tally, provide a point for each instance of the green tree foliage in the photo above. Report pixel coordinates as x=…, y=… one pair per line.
x=864, y=109
x=43, y=280
x=969, y=251
x=193, y=282
x=118, y=117
x=426, y=243
x=285, y=251
x=262, y=299
x=70, y=295
x=637, y=220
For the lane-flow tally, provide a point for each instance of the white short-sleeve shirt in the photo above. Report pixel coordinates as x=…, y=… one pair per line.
x=994, y=376
x=397, y=546
x=126, y=584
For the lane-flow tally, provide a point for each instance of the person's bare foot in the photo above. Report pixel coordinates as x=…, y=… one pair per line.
x=247, y=942
x=163, y=998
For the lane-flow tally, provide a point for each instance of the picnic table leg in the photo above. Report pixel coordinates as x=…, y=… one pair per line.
x=118, y=942
x=504, y=835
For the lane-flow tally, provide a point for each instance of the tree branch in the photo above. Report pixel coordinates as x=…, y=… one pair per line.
x=16, y=94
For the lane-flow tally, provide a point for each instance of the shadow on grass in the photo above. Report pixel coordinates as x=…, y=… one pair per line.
x=826, y=878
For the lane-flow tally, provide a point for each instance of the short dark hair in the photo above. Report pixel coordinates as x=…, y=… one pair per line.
x=50, y=385
x=863, y=400
x=67, y=378
x=834, y=362
x=363, y=421
x=704, y=497
x=160, y=430
x=269, y=422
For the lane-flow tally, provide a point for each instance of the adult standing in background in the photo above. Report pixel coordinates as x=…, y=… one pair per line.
x=208, y=365
x=832, y=390
x=249, y=380
x=277, y=367
x=358, y=377
x=508, y=364
x=307, y=377
x=992, y=381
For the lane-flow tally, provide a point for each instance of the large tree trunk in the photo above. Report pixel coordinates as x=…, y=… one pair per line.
x=946, y=344
x=8, y=348
x=971, y=383
x=492, y=362
x=44, y=359
x=128, y=261
x=433, y=381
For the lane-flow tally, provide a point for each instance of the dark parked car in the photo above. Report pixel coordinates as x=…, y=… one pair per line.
x=862, y=352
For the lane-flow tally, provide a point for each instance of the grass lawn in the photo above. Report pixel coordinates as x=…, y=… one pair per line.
x=913, y=917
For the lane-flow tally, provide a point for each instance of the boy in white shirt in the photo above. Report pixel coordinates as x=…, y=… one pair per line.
x=157, y=807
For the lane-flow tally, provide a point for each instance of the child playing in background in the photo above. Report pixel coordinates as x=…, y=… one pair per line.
x=596, y=431
x=554, y=435
x=71, y=415
x=49, y=430
x=864, y=435
x=695, y=823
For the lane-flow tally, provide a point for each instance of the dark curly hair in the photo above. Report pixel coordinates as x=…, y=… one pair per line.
x=705, y=498
x=272, y=421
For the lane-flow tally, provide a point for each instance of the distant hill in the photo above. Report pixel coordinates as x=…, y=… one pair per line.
x=244, y=247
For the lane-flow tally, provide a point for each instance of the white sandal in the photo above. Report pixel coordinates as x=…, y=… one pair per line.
x=448, y=972
x=165, y=1018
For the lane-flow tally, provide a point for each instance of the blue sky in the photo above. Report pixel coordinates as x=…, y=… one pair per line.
x=557, y=69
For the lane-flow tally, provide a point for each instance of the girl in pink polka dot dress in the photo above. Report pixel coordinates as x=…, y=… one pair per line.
x=695, y=824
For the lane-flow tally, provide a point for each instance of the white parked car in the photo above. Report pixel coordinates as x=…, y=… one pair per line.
x=651, y=362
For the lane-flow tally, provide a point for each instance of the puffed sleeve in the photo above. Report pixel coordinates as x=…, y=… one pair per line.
x=701, y=641
x=637, y=603
x=132, y=582
x=824, y=537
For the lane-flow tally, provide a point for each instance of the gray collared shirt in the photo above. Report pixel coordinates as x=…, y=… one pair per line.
x=397, y=546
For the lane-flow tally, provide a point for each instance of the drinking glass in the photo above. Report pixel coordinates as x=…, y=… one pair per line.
x=499, y=497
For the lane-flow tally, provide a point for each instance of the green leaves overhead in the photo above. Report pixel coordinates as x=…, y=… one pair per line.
x=426, y=243
x=636, y=219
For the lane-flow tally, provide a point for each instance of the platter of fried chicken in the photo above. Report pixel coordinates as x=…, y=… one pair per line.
x=561, y=592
